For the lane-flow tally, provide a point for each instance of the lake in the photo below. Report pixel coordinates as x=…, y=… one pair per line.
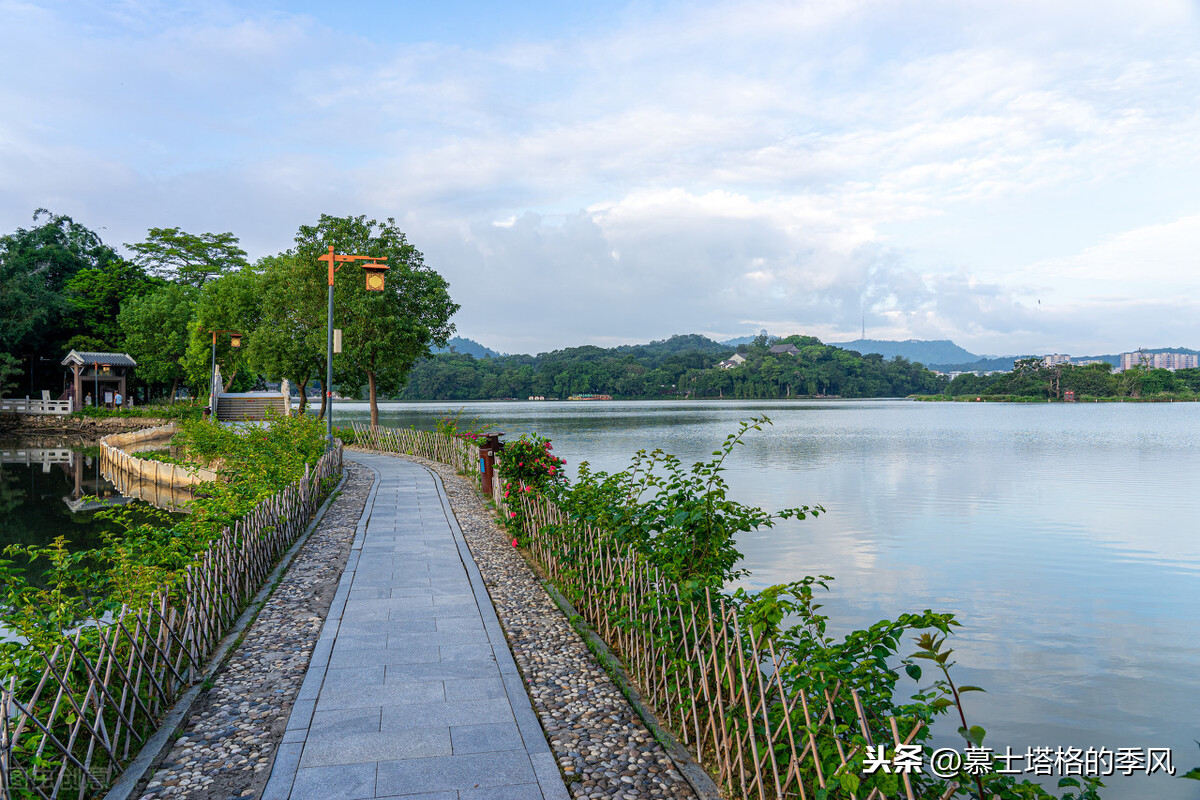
x=1064, y=537
x=50, y=488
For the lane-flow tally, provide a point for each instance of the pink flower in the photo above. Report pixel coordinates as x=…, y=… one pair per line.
x=512, y=514
x=506, y=494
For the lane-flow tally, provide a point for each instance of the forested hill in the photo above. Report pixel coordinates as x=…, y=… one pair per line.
x=926, y=351
x=458, y=344
x=682, y=366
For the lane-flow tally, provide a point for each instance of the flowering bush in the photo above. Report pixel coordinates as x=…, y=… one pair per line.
x=458, y=425
x=527, y=466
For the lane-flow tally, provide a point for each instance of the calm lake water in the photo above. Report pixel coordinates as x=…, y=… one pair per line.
x=1064, y=537
x=42, y=489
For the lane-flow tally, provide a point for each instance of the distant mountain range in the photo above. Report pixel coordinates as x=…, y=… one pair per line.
x=939, y=354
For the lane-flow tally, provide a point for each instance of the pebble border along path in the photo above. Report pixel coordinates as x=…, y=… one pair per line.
x=601, y=744
x=232, y=733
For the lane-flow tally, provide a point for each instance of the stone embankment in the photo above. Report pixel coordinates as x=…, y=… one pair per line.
x=87, y=428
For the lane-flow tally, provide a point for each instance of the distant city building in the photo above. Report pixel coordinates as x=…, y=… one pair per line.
x=1057, y=358
x=1171, y=361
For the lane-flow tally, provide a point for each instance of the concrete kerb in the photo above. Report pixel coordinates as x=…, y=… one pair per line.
x=158, y=743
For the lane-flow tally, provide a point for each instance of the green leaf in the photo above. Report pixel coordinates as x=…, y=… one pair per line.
x=914, y=671
x=974, y=735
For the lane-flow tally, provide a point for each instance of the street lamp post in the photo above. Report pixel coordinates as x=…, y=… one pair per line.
x=235, y=339
x=374, y=284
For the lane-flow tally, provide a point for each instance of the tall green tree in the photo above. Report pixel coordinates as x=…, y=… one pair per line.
x=10, y=368
x=35, y=266
x=189, y=258
x=95, y=296
x=232, y=302
x=156, y=329
x=387, y=332
x=289, y=341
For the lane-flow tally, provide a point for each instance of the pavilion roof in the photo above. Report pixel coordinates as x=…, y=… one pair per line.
x=88, y=359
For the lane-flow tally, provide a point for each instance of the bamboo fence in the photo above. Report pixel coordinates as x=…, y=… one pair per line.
x=725, y=691
x=435, y=446
x=104, y=688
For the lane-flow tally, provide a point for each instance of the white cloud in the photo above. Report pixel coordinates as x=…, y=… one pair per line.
x=937, y=166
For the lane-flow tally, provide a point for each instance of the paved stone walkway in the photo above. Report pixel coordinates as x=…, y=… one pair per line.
x=412, y=691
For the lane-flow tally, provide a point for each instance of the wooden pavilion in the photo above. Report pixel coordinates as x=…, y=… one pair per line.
x=97, y=373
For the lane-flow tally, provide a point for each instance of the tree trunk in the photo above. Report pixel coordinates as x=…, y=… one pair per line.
x=229, y=382
x=324, y=400
x=374, y=402
x=174, y=389
x=303, y=387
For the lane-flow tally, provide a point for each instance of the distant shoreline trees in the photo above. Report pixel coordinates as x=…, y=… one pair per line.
x=1030, y=378
x=679, y=367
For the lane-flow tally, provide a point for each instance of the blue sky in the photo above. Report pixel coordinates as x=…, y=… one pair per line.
x=1018, y=177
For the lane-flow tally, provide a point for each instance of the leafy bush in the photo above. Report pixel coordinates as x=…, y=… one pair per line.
x=460, y=426
x=527, y=466
x=180, y=411
x=145, y=548
x=681, y=519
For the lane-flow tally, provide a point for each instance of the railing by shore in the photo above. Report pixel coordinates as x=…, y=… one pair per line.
x=27, y=406
x=103, y=690
x=716, y=683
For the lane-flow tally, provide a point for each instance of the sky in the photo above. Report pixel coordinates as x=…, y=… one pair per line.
x=1019, y=177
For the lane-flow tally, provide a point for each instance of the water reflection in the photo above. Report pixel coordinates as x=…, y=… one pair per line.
x=1064, y=537
x=51, y=488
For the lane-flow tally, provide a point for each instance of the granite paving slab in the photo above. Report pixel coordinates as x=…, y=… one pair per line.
x=410, y=691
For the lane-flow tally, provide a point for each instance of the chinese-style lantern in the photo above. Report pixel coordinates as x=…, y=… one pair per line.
x=375, y=273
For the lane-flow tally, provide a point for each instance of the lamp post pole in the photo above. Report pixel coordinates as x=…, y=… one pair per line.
x=235, y=339
x=374, y=284
x=328, y=387
x=212, y=376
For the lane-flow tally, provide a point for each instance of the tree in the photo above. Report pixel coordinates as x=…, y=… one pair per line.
x=35, y=267
x=189, y=258
x=10, y=368
x=387, y=332
x=156, y=331
x=289, y=341
x=95, y=296
x=232, y=302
